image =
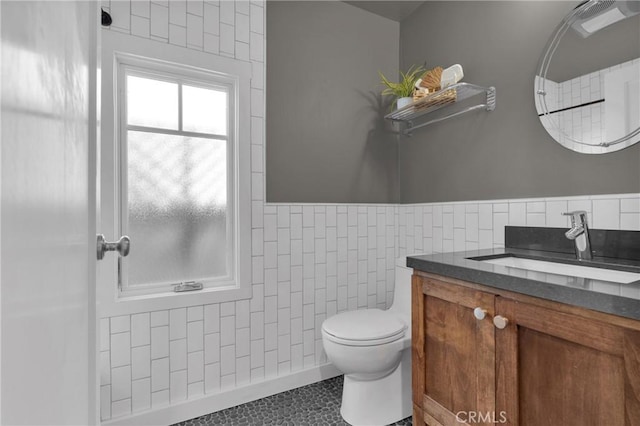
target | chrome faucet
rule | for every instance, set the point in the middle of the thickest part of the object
(579, 233)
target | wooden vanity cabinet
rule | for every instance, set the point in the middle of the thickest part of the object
(550, 364)
(453, 352)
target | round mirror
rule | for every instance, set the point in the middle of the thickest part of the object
(587, 85)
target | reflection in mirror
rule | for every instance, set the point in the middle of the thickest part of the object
(587, 87)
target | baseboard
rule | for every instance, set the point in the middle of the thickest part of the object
(206, 404)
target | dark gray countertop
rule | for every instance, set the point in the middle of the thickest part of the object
(602, 296)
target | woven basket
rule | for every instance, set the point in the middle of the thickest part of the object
(441, 98)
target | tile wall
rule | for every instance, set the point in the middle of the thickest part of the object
(445, 227)
(308, 261)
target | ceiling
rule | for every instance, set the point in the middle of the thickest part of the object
(394, 10)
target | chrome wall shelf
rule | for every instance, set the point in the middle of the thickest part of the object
(412, 117)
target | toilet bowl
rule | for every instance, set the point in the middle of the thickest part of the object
(372, 347)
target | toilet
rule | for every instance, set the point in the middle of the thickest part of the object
(372, 348)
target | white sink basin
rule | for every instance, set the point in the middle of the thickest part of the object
(603, 274)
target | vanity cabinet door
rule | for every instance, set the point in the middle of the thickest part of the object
(555, 368)
(453, 354)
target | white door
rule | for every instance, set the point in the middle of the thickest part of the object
(47, 228)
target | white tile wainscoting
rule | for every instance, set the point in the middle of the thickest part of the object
(309, 261)
(471, 225)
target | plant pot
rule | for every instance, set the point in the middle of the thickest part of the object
(403, 102)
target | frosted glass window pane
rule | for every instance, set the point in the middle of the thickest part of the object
(204, 110)
(152, 103)
(177, 189)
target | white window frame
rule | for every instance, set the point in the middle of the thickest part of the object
(122, 52)
(152, 69)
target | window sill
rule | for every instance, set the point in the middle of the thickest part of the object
(126, 305)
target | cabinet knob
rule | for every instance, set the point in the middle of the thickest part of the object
(479, 313)
(500, 322)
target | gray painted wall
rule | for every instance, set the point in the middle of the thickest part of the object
(326, 140)
(505, 153)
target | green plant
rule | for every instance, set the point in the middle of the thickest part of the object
(404, 88)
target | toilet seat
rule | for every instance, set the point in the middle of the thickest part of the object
(367, 327)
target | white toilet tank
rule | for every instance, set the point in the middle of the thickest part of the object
(402, 289)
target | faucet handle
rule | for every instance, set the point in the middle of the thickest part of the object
(577, 216)
(575, 213)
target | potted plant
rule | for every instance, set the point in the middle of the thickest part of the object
(404, 88)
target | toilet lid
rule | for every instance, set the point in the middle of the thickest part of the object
(364, 325)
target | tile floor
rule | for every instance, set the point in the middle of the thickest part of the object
(315, 404)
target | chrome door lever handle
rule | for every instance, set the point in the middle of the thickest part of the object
(122, 246)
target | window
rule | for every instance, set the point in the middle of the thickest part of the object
(176, 172)
(177, 189)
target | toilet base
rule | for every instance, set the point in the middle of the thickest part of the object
(378, 402)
